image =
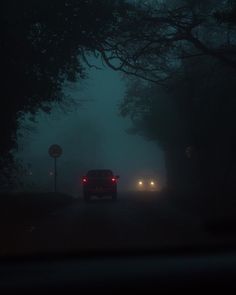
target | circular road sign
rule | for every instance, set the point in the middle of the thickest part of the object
(55, 151)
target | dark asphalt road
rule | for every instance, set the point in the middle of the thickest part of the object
(135, 220)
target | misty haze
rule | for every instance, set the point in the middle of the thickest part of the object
(118, 126)
(92, 135)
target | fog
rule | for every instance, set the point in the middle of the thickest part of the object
(91, 134)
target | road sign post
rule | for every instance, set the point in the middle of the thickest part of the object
(55, 175)
(55, 151)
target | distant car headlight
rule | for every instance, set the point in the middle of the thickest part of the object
(140, 183)
(152, 183)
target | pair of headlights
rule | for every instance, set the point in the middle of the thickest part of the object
(152, 183)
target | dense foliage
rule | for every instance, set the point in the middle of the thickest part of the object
(43, 44)
(188, 49)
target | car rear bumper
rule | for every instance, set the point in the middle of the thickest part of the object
(100, 191)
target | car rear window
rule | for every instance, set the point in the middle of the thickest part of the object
(100, 173)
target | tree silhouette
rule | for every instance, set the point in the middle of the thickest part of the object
(43, 44)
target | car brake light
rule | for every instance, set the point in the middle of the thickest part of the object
(113, 179)
(85, 180)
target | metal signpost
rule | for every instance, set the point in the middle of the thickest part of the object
(55, 151)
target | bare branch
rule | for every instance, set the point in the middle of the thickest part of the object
(87, 62)
(128, 72)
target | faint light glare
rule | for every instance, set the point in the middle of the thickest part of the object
(140, 183)
(152, 183)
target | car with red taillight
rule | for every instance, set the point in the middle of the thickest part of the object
(99, 183)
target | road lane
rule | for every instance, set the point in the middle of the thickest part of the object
(135, 220)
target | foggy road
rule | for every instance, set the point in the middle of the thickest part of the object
(135, 220)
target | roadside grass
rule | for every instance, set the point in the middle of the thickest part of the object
(21, 207)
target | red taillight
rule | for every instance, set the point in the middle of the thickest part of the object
(84, 180)
(113, 179)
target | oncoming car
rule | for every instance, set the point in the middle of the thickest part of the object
(147, 184)
(100, 182)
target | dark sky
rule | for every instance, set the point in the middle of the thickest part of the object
(92, 135)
